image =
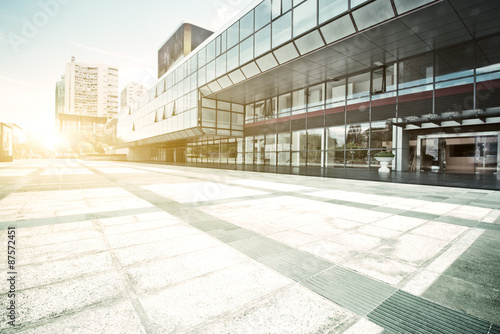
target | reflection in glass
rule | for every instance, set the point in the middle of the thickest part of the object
(358, 136)
(263, 41)
(246, 25)
(249, 113)
(416, 71)
(309, 42)
(282, 29)
(455, 62)
(381, 135)
(316, 97)
(299, 140)
(284, 104)
(246, 50)
(335, 93)
(330, 8)
(338, 29)
(232, 58)
(286, 53)
(233, 35)
(358, 88)
(298, 101)
(335, 137)
(262, 14)
(373, 13)
(304, 17)
(210, 71)
(220, 65)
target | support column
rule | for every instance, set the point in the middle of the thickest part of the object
(401, 142)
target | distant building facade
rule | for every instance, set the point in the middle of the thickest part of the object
(130, 94)
(90, 98)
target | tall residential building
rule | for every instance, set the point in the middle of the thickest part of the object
(130, 94)
(90, 93)
(325, 85)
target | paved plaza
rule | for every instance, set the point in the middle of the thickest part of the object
(118, 247)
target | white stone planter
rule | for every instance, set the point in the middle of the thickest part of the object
(384, 161)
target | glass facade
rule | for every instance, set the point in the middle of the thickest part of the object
(339, 118)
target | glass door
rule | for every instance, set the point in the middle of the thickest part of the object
(486, 154)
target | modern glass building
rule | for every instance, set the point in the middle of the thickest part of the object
(329, 83)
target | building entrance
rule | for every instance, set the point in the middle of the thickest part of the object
(459, 153)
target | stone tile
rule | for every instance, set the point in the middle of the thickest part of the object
(141, 226)
(399, 223)
(190, 303)
(321, 230)
(55, 238)
(164, 248)
(200, 191)
(412, 249)
(329, 250)
(366, 216)
(364, 326)
(441, 231)
(293, 238)
(162, 273)
(470, 212)
(269, 185)
(378, 232)
(437, 208)
(380, 268)
(54, 300)
(293, 310)
(356, 241)
(34, 275)
(118, 317)
(144, 237)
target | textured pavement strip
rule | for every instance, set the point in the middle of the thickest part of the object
(363, 295)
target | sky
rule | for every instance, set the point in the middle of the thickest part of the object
(38, 37)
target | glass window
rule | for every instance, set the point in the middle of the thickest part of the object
(373, 13)
(284, 104)
(276, 8)
(263, 41)
(315, 139)
(202, 79)
(217, 46)
(246, 50)
(233, 35)
(357, 136)
(338, 29)
(299, 140)
(210, 71)
(335, 93)
(335, 137)
(262, 14)
(304, 17)
(249, 113)
(285, 53)
(284, 140)
(316, 97)
(220, 65)
(381, 135)
(237, 121)
(259, 110)
(232, 58)
(403, 6)
(416, 71)
(488, 55)
(309, 42)
(208, 117)
(455, 62)
(358, 87)
(202, 57)
(282, 30)
(246, 25)
(270, 143)
(328, 9)
(223, 119)
(355, 3)
(223, 46)
(286, 5)
(298, 100)
(210, 51)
